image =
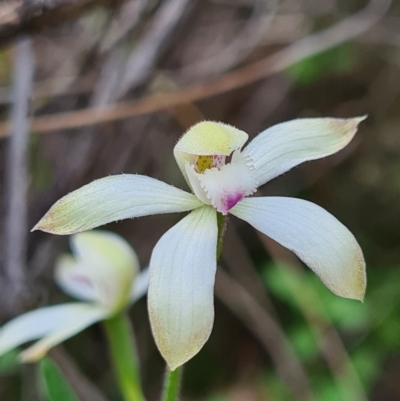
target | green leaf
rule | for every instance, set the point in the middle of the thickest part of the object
(276, 280)
(329, 390)
(276, 388)
(9, 362)
(304, 341)
(340, 59)
(53, 384)
(367, 363)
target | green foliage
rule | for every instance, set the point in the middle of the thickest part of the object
(370, 330)
(5, 67)
(341, 59)
(327, 390)
(53, 383)
(276, 389)
(397, 175)
(217, 398)
(9, 362)
(366, 361)
(304, 342)
(40, 168)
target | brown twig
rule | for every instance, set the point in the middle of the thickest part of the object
(17, 181)
(341, 32)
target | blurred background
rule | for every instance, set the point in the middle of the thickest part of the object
(93, 88)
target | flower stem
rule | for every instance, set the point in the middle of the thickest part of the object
(122, 352)
(221, 222)
(172, 384)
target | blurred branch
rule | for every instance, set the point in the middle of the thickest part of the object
(238, 48)
(342, 31)
(21, 16)
(140, 64)
(126, 18)
(103, 94)
(14, 286)
(268, 332)
(51, 88)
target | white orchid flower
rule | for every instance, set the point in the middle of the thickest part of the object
(104, 272)
(221, 175)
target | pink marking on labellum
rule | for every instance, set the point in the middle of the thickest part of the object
(230, 201)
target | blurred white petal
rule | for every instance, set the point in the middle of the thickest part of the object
(140, 285)
(109, 262)
(315, 236)
(114, 198)
(182, 275)
(54, 324)
(74, 280)
(288, 144)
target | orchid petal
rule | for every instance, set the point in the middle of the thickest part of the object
(74, 280)
(182, 274)
(315, 236)
(114, 198)
(140, 285)
(105, 268)
(208, 138)
(286, 145)
(54, 323)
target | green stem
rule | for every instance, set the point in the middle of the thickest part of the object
(221, 222)
(172, 384)
(119, 335)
